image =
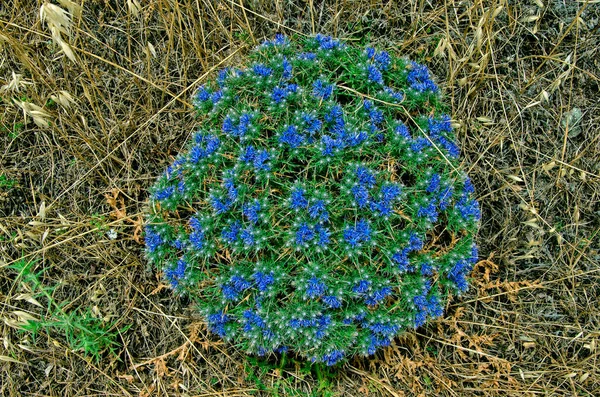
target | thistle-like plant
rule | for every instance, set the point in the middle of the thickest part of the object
(319, 208)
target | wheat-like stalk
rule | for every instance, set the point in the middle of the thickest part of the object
(15, 84)
(60, 23)
(40, 117)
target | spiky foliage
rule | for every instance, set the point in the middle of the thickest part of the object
(319, 208)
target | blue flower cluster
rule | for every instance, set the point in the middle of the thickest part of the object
(204, 95)
(176, 274)
(322, 90)
(419, 79)
(279, 40)
(328, 42)
(205, 146)
(305, 214)
(257, 158)
(358, 235)
(237, 129)
(280, 93)
(382, 204)
(438, 130)
(427, 305)
(400, 256)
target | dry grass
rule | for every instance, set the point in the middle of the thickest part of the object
(95, 104)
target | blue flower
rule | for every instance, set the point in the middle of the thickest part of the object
(377, 296)
(318, 210)
(231, 233)
(375, 115)
(365, 176)
(206, 144)
(426, 269)
(314, 288)
(402, 130)
(181, 187)
(381, 208)
(287, 69)
(152, 239)
(420, 318)
(250, 211)
(434, 183)
(333, 358)
(247, 236)
(355, 139)
(332, 301)
(396, 96)
(434, 307)
(327, 42)
(222, 76)
(240, 283)
(279, 40)
(419, 79)
(164, 193)
(241, 128)
(203, 94)
(390, 192)
(331, 145)
(228, 125)
(458, 273)
(278, 94)
(216, 323)
(291, 136)
(262, 70)
(311, 123)
(474, 255)
(197, 238)
(175, 167)
(415, 243)
(253, 320)
(177, 243)
(451, 147)
(322, 235)
(468, 187)
(307, 56)
(401, 260)
(263, 280)
(358, 234)
(383, 60)
(248, 154)
(362, 286)
(468, 209)
(322, 90)
(444, 198)
(361, 195)
(259, 161)
(428, 212)
(176, 274)
(219, 204)
(374, 75)
(297, 199)
(438, 126)
(419, 144)
(304, 234)
(377, 342)
(388, 330)
(232, 191)
(216, 96)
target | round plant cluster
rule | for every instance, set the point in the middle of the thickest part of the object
(319, 208)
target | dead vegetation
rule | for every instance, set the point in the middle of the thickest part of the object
(96, 103)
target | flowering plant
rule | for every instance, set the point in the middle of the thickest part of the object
(319, 207)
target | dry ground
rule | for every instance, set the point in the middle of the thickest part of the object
(522, 79)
